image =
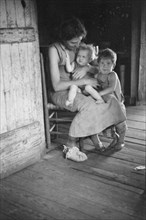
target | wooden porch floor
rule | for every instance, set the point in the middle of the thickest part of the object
(104, 187)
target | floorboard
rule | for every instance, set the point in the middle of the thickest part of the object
(104, 187)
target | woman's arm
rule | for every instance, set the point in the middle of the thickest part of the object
(112, 84)
(68, 65)
(80, 72)
(57, 84)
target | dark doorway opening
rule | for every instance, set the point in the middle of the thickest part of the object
(108, 23)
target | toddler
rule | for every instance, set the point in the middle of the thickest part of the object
(84, 55)
(110, 87)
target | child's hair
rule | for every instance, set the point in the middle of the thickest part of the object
(89, 48)
(108, 54)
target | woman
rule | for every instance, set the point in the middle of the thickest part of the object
(91, 118)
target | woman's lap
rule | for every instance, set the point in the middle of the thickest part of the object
(91, 118)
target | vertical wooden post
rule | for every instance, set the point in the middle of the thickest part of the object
(122, 77)
(46, 114)
(135, 50)
(142, 61)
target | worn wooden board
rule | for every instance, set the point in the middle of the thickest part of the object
(106, 186)
(88, 195)
(136, 124)
(20, 148)
(10, 10)
(115, 166)
(20, 85)
(137, 117)
(36, 208)
(16, 35)
(4, 216)
(136, 133)
(136, 111)
(13, 211)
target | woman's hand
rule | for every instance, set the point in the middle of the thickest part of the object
(80, 73)
(92, 82)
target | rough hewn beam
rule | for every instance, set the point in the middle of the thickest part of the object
(16, 35)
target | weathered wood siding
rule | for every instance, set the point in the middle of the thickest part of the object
(20, 82)
(138, 52)
(142, 61)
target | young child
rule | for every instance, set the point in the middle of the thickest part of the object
(107, 78)
(85, 54)
(110, 87)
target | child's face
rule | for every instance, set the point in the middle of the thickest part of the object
(105, 65)
(82, 57)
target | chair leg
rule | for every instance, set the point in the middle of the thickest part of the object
(81, 144)
(57, 126)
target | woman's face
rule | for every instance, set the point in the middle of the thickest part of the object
(73, 44)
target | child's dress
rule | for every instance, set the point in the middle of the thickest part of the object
(104, 82)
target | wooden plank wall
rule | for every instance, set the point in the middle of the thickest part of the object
(16, 35)
(20, 84)
(20, 70)
(138, 52)
(142, 61)
(18, 147)
(135, 42)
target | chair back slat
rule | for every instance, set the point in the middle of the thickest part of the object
(51, 112)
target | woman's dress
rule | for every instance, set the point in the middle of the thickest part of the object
(91, 118)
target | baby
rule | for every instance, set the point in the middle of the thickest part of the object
(85, 54)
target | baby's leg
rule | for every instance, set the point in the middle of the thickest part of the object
(94, 94)
(71, 95)
(79, 90)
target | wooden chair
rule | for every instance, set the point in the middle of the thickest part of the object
(53, 115)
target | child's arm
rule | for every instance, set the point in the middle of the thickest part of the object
(69, 66)
(93, 70)
(90, 90)
(112, 84)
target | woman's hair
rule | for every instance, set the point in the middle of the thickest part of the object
(72, 28)
(87, 47)
(107, 54)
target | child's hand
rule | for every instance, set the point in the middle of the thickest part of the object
(80, 73)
